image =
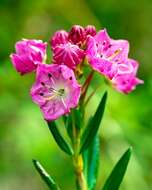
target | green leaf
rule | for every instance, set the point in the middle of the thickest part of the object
(73, 123)
(114, 180)
(45, 176)
(64, 118)
(59, 139)
(91, 159)
(93, 126)
(78, 120)
(69, 127)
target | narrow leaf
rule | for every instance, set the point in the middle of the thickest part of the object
(91, 159)
(77, 118)
(59, 139)
(114, 180)
(93, 126)
(69, 127)
(45, 176)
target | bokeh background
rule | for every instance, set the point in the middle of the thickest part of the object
(128, 118)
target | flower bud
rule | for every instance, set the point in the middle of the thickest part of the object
(77, 35)
(60, 37)
(90, 30)
(68, 54)
(28, 54)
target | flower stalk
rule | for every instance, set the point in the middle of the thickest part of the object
(78, 166)
(77, 158)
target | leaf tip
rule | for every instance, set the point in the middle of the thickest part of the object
(129, 151)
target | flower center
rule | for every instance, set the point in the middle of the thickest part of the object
(61, 92)
(56, 93)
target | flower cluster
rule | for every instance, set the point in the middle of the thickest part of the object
(56, 89)
(68, 48)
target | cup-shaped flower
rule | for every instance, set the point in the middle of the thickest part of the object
(104, 53)
(68, 54)
(125, 79)
(77, 35)
(56, 90)
(90, 30)
(60, 37)
(28, 54)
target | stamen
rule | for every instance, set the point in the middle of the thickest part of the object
(115, 53)
(51, 89)
(63, 103)
(51, 78)
(51, 97)
(70, 78)
(52, 81)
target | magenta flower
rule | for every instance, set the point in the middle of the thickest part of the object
(56, 90)
(104, 53)
(68, 54)
(60, 37)
(90, 30)
(77, 35)
(125, 79)
(28, 54)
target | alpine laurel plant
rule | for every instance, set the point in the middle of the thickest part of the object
(61, 90)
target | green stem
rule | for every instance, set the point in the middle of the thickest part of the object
(86, 85)
(77, 159)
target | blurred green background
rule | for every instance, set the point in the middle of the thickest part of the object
(128, 118)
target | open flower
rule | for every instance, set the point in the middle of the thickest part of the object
(104, 53)
(60, 37)
(55, 90)
(28, 54)
(68, 54)
(126, 83)
(125, 79)
(110, 58)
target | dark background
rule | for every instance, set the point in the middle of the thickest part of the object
(128, 118)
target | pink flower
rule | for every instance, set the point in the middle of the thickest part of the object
(60, 37)
(55, 90)
(28, 54)
(110, 58)
(77, 35)
(90, 30)
(125, 79)
(104, 53)
(68, 54)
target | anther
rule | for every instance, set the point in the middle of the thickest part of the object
(49, 75)
(41, 94)
(104, 43)
(42, 83)
(70, 78)
(116, 52)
